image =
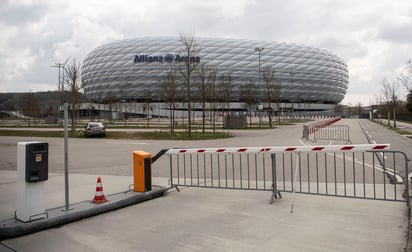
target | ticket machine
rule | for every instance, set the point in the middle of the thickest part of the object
(32, 172)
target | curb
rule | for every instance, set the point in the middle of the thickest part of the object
(59, 216)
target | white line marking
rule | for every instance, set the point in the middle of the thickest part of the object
(377, 167)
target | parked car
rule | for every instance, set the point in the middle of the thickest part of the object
(94, 129)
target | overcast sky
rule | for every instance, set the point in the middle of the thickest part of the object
(374, 37)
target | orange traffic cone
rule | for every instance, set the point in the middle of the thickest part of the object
(99, 197)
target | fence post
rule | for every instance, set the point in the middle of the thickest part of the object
(305, 133)
(275, 191)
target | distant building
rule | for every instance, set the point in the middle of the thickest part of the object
(311, 79)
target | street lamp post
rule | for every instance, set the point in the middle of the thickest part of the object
(259, 49)
(293, 105)
(61, 82)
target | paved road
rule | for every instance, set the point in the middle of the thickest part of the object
(378, 134)
(383, 135)
(200, 219)
(114, 157)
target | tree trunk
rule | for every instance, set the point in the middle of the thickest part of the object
(389, 118)
(394, 117)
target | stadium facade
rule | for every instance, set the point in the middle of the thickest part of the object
(309, 78)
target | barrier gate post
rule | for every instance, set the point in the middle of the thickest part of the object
(142, 171)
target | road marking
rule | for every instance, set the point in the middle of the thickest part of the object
(387, 170)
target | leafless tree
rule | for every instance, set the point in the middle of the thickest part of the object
(339, 109)
(390, 95)
(30, 107)
(406, 80)
(272, 91)
(409, 101)
(359, 108)
(379, 108)
(225, 94)
(248, 95)
(125, 98)
(109, 100)
(146, 105)
(212, 95)
(169, 94)
(202, 89)
(188, 63)
(73, 85)
(406, 77)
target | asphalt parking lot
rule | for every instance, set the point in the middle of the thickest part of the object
(198, 219)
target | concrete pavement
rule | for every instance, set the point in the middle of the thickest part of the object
(198, 219)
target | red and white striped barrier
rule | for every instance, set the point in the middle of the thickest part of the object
(321, 124)
(326, 148)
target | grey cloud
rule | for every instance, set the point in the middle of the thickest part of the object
(396, 32)
(17, 15)
(360, 31)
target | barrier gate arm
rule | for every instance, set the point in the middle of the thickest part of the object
(158, 155)
(302, 148)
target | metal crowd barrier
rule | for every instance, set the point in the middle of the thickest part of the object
(353, 171)
(324, 130)
(332, 132)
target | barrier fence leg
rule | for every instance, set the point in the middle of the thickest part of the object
(294, 181)
(171, 174)
(275, 192)
(305, 136)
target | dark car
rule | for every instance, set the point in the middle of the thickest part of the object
(94, 129)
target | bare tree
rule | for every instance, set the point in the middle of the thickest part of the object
(189, 62)
(225, 91)
(125, 98)
(409, 102)
(202, 90)
(339, 109)
(248, 95)
(73, 85)
(109, 100)
(406, 78)
(146, 105)
(169, 94)
(212, 95)
(272, 91)
(379, 108)
(30, 107)
(359, 108)
(390, 95)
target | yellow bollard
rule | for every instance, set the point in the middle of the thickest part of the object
(142, 171)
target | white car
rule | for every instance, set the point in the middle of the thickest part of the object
(94, 129)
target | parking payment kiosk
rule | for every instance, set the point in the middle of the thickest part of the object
(32, 171)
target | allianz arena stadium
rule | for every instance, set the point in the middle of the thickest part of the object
(130, 69)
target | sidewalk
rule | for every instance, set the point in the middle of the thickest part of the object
(212, 220)
(199, 219)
